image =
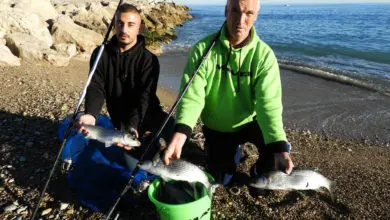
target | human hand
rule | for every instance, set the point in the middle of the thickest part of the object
(85, 119)
(174, 148)
(283, 162)
(134, 133)
(126, 147)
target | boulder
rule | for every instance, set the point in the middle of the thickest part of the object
(7, 58)
(43, 8)
(96, 18)
(67, 9)
(2, 35)
(15, 20)
(83, 57)
(64, 30)
(56, 59)
(5, 3)
(69, 49)
(26, 46)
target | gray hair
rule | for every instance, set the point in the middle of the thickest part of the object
(228, 4)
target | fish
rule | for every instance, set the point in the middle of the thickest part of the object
(296, 180)
(179, 170)
(110, 136)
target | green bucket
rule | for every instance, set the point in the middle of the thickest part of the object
(198, 209)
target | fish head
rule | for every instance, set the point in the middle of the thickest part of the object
(130, 140)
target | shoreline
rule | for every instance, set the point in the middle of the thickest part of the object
(333, 106)
(310, 103)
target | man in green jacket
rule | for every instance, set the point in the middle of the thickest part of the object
(237, 93)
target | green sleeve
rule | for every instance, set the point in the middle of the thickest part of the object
(268, 95)
(191, 106)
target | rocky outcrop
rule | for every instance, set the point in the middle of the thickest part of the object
(16, 20)
(54, 31)
(64, 30)
(43, 8)
(26, 46)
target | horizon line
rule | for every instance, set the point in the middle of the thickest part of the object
(301, 3)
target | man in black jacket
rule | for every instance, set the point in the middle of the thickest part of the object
(126, 77)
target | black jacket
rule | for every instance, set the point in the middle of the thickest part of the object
(128, 82)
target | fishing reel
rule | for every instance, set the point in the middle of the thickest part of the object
(66, 166)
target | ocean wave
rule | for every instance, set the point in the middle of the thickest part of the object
(328, 50)
(355, 79)
(176, 48)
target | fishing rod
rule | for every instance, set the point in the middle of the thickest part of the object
(81, 99)
(155, 137)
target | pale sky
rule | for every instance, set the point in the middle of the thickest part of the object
(222, 2)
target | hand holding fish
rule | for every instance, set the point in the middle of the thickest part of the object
(283, 162)
(174, 148)
(133, 132)
(110, 136)
(84, 119)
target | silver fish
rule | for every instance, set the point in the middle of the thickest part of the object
(296, 180)
(179, 170)
(110, 136)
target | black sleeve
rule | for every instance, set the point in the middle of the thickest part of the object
(147, 87)
(95, 93)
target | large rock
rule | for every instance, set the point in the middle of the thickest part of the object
(67, 9)
(31, 49)
(2, 35)
(43, 8)
(69, 49)
(56, 59)
(26, 46)
(7, 58)
(95, 17)
(5, 3)
(15, 20)
(64, 30)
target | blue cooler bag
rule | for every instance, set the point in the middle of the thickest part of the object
(97, 174)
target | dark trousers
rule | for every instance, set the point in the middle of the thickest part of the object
(223, 153)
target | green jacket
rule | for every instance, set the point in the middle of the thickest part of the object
(229, 96)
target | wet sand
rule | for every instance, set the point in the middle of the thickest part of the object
(311, 103)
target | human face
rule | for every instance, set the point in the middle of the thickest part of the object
(127, 27)
(240, 16)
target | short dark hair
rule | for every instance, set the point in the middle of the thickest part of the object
(126, 7)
